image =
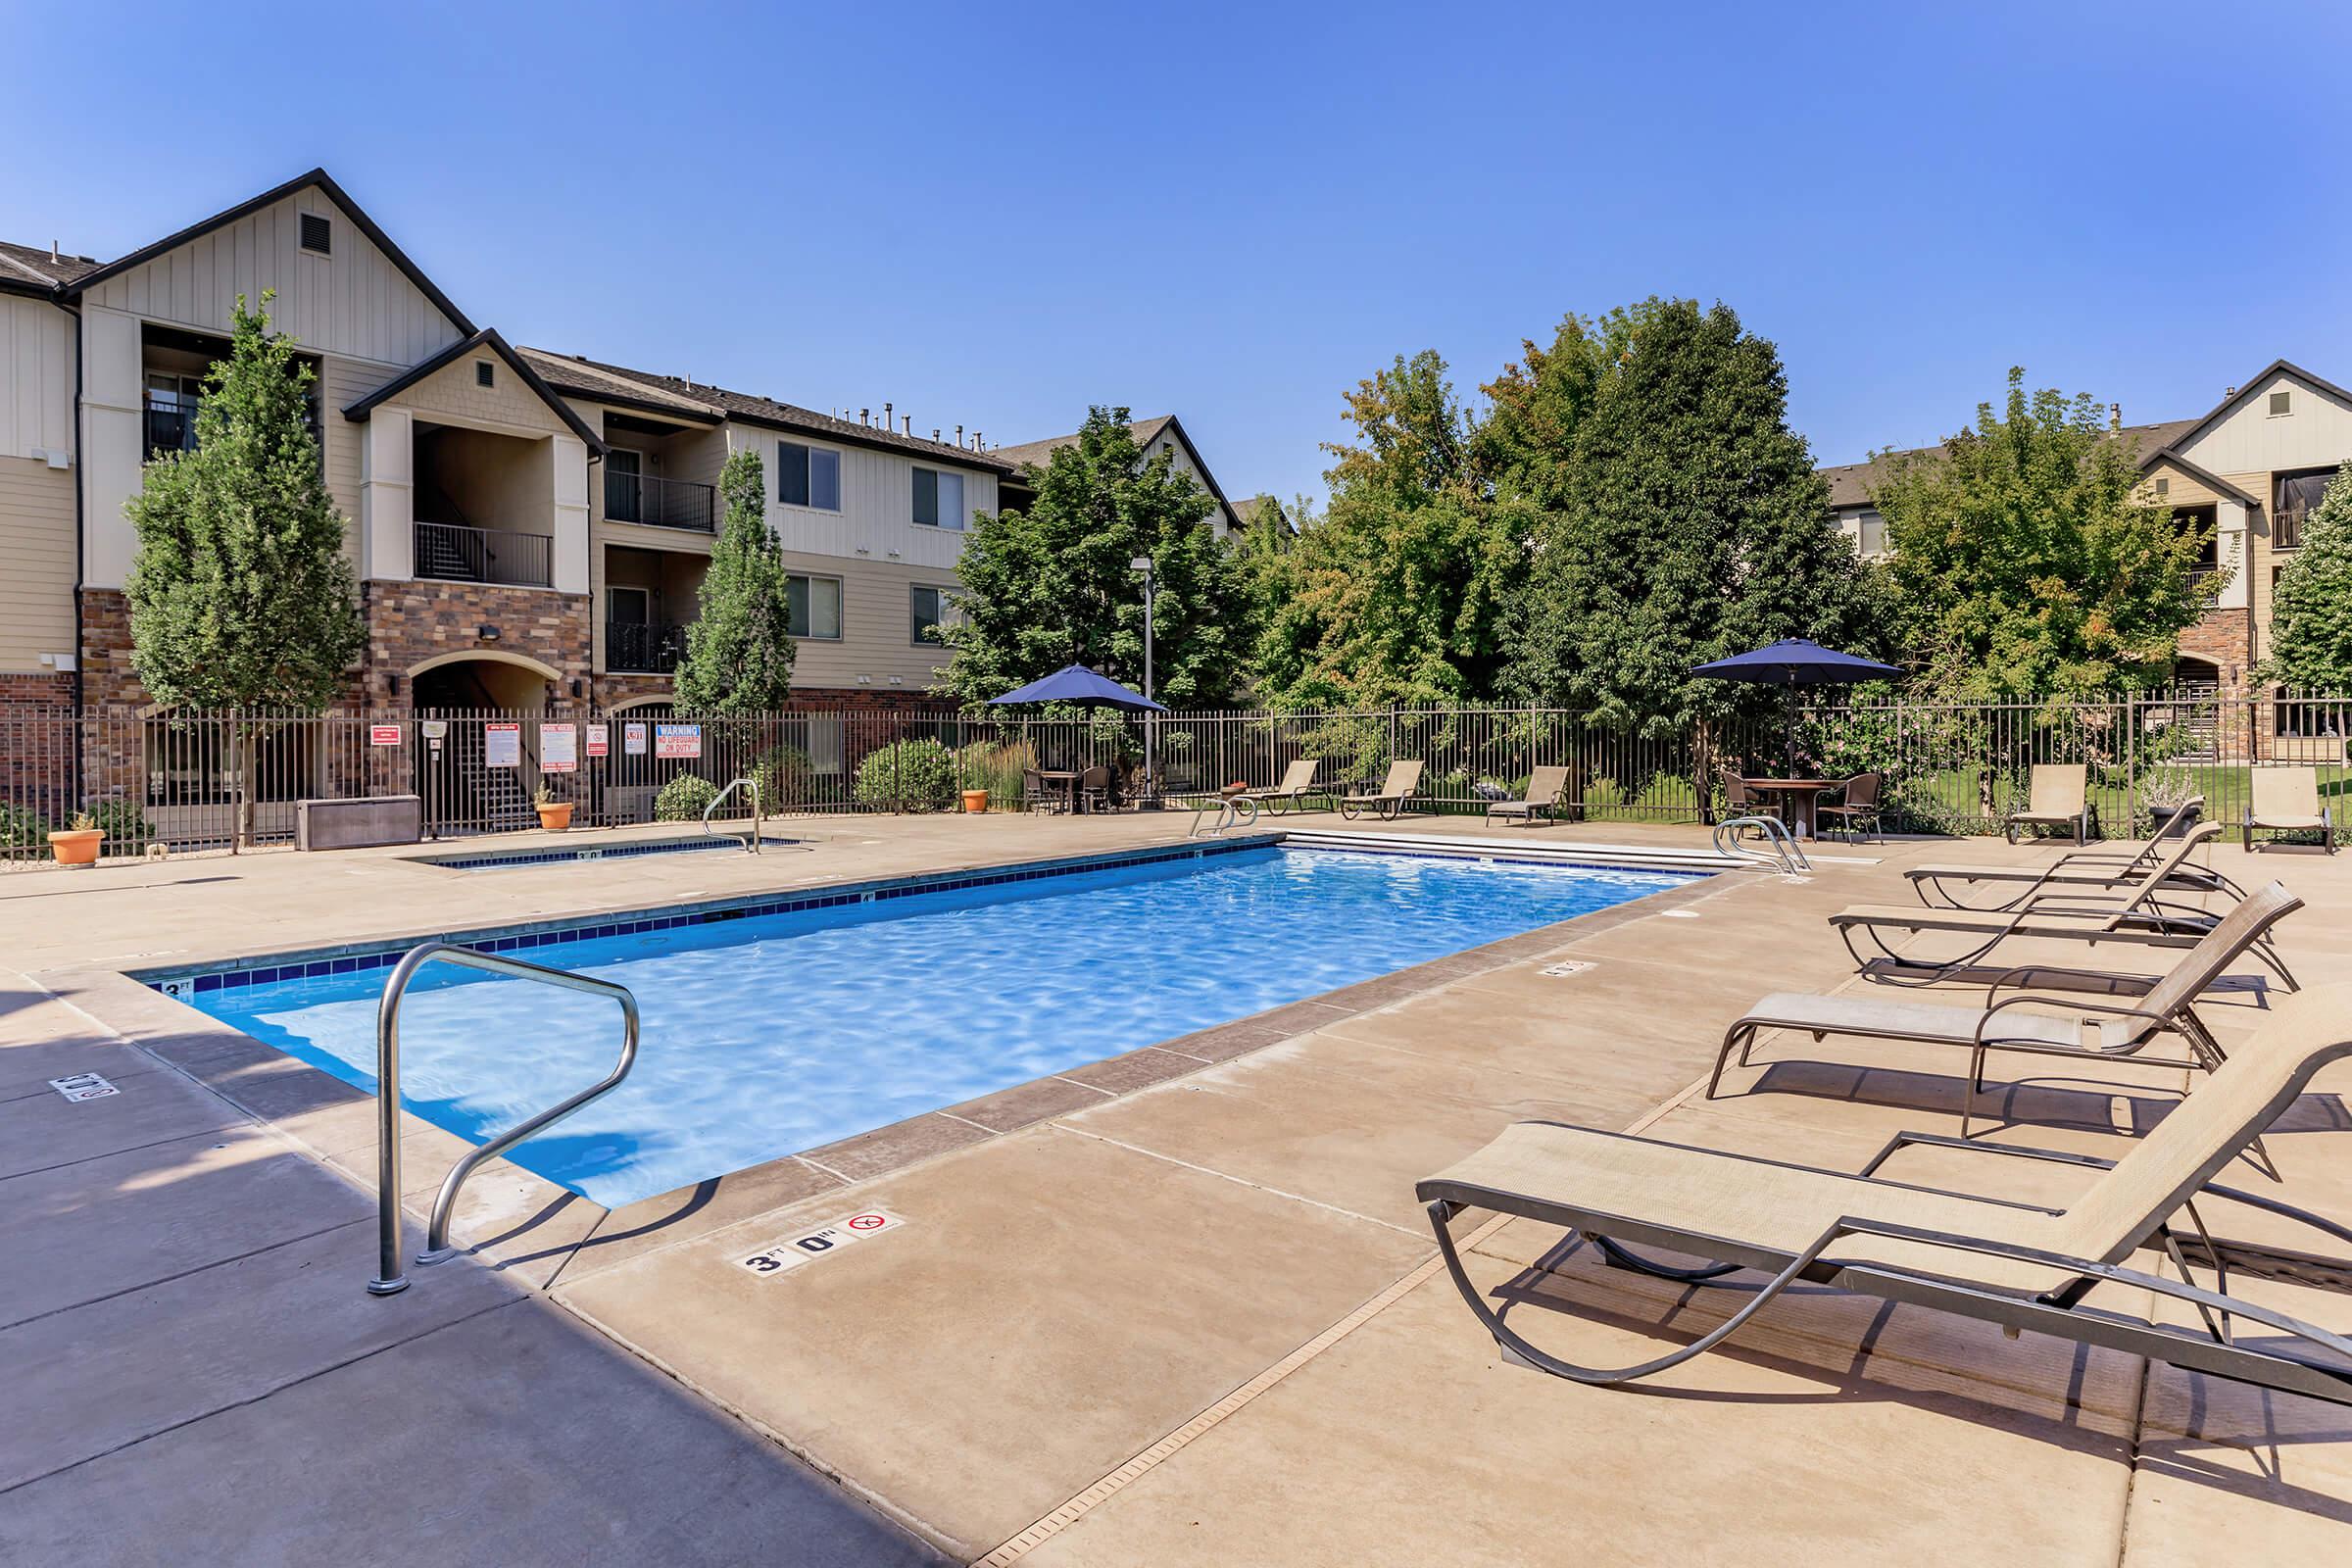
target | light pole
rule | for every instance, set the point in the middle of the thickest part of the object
(1142, 564)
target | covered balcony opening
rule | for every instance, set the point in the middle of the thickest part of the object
(640, 483)
(649, 597)
(485, 507)
(172, 367)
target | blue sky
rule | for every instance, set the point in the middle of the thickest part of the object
(995, 216)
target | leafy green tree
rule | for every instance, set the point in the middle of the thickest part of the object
(1054, 585)
(2311, 607)
(1524, 445)
(240, 594)
(2023, 564)
(739, 651)
(1395, 594)
(1682, 522)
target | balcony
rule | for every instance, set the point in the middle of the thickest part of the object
(659, 503)
(172, 422)
(2287, 530)
(642, 648)
(447, 552)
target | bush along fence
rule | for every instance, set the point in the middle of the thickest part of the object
(227, 781)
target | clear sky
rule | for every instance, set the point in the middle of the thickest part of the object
(993, 216)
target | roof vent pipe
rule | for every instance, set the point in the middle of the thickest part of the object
(907, 419)
(2228, 391)
(886, 420)
(2115, 416)
(959, 436)
(53, 256)
(866, 416)
(935, 433)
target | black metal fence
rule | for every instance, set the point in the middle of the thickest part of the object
(216, 781)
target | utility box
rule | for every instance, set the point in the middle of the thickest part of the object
(359, 824)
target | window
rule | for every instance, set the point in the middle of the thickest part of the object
(2282, 402)
(2293, 496)
(317, 235)
(483, 375)
(939, 498)
(2204, 522)
(808, 476)
(2164, 485)
(932, 611)
(816, 607)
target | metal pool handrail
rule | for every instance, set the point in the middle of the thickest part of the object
(390, 1280)
(1786, 853)
(1232, 811)
(751, 840)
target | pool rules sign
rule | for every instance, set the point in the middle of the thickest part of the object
(791, 1253)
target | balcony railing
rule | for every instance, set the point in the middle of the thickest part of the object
(2287, 530)
(661, 503)
(448, 553)
(171, 423)
(650, 649)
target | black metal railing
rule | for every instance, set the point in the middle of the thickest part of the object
(644, 649)
(660, 503)
(2287, 530)
(171, 423)
(448, 553)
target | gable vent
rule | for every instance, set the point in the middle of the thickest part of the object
(2282, 402)
(483, 375)
(317, 235)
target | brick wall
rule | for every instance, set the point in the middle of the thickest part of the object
(410, 622)
(2220, 639)
(24, 696)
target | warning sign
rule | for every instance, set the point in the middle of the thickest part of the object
(558, 748)
(599, 741)
(502, 745)
(632, 740)
(678, 740)
(383, 734)
(794, 1250)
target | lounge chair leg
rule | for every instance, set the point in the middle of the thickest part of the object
(1715, 1080)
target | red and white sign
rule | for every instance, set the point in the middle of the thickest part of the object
(502, 745)
(600, 740)
(383, 734)
(632, 739)
(678, 740)
(558, 748)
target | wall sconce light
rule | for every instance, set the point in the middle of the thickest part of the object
(392, 685)
(575, 685)
(488, 634)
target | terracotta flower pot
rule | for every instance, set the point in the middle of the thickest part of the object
(557, 817)
(76, 845)
(975, 802)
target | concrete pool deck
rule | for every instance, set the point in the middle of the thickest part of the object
(1183, 1313)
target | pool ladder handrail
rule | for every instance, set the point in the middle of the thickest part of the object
(750, 842)
(1236, 811)
(1786, 853)
(390, 1280)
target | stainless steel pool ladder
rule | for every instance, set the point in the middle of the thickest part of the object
(1786, 853)
(1235, 811)
(390, 1280)
(750, 842)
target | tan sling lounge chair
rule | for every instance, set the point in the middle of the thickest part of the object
(2068, 1025)
(2287, 800)
(1390, 802)
(2133, 915)
(2058, 795)
(1297, 783)
(2013, 1264)
(1547, 791)
(2077, 868)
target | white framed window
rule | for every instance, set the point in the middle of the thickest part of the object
(808, 476)
(816, 607)
(929, 610)
(939, 498)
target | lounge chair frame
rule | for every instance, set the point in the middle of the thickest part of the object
(2081, 814)
(1390, 801)
(2320, 821)
(1286, 796)
(1527, 810)
(2077, 868)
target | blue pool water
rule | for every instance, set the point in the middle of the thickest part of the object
(777, 1033)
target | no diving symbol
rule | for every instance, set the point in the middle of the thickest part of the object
(869, 1222)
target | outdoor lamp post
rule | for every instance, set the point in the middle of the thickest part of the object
(1142, 564)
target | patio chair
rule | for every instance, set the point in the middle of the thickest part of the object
(1857, 809)
(1093, 788)
(2287, 800)
(2018, 1265)
(2057, 795)
(2133, 915)
(2081, 868)
(1390, 800)
(2067, 1025)
(1549, 792)
(1297, 783)
(1036, 798)
(1740, 801)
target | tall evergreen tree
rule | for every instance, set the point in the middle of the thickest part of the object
(1687, 525)
(739, 651)
(2311, 607)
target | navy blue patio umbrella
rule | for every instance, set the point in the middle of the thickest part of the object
(1075, 683)
(1795, 662)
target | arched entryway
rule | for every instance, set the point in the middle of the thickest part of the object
(477, 758)
(483, 678)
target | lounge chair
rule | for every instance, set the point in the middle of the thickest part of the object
(2133, 914)
(2057, 796)
(2014, 1264)
(2077, 868)
(1547, 792)
(1856, 809)
(1390, 800)
(1297, 783)
(2068, 1026)
(2287, 800)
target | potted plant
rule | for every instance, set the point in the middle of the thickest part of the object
(2167, 790)
(77, 845)
(975, 802)
(554, 815)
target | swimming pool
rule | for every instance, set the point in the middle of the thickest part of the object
(775, 1033)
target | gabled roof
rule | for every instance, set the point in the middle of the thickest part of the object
(30, 270)
(1850, 484)
(571, 373)
(2254, 385)
(1145, 431)
(2204, 476)
(487, 338)
(319, 177)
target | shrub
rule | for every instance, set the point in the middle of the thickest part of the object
(915, 775)
(786, 777)
(995, 767)
(126, 828)
(685, 798)
(22, 827)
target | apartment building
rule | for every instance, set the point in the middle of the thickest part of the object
(2246, 473)
(528, 526)
(1164, 434)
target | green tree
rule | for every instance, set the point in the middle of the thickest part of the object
(2311, 607)
(2023, 564)
(1677, 521)
(738, 656)
(1054, 585)
(1395, 594)
(240, 593)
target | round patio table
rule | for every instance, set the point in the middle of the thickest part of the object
(1801, 794)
